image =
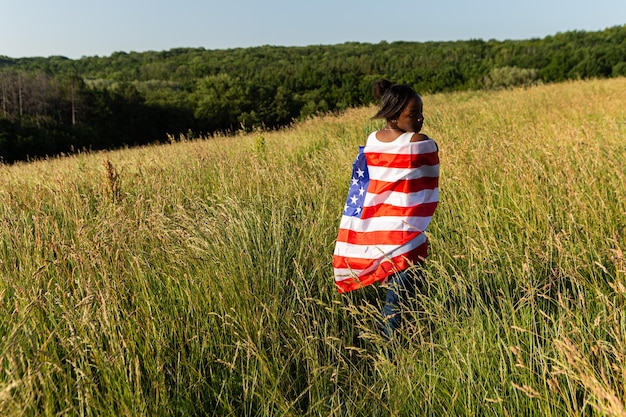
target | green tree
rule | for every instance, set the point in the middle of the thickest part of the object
(217, 101)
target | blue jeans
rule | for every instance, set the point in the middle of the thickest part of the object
(402, 285)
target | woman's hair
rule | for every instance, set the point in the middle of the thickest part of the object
(393, 98)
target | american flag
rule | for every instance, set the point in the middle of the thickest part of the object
(393, 193)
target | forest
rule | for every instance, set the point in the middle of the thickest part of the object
(55, 105)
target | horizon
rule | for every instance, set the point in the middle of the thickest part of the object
(73, 29)
(308, 45)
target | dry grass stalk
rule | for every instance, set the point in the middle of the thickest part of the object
(113, 182)
(581, 368)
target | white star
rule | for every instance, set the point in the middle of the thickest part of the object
(361, 191)
(355, 181)
(354, 199)
(360, 172)
(358, 210)
(346, 207)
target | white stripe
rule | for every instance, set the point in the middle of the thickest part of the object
(378, 224)
(395, 174)
(412, 148)
(399, 199)
(342, 274)
(349, 250)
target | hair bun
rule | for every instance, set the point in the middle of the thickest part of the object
(380, 87)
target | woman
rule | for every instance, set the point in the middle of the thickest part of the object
(392, 197)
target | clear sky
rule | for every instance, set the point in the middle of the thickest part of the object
(76, 28)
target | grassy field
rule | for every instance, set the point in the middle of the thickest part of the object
(194, 278)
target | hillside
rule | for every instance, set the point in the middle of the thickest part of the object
(57, 105)
(194, 277)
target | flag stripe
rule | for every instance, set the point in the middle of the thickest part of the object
(399, 199)
(401, 160)
(385, 237)
(426, 209)
(395, 174)
(403, 186)
(375, 224)
(401, 147)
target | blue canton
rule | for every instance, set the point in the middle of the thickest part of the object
(358, 186)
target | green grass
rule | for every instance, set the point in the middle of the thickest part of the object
(194, 278)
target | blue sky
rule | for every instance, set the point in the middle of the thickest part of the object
(76, 28)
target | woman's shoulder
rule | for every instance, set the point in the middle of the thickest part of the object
(424, 143)
(419, 137)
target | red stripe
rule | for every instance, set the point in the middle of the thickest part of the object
(386, 237)
(420, 210)
(385, 269)
(352, 263)
(403, 186)
(392, 160)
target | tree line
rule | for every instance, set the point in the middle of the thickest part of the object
(58, 105)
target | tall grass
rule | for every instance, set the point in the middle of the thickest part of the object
(194, 278)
